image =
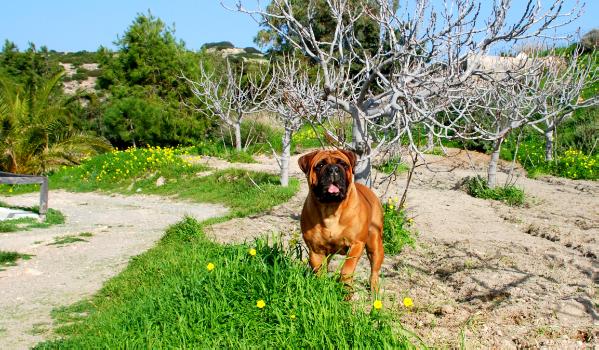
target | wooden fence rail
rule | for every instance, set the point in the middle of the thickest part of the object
(21, 179)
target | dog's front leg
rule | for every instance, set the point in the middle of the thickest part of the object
(316, 261)
(351, 261)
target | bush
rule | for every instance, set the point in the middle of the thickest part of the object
(590, 41)
(477, 187)
(576, 165)
(393, 165)
(396, 233)
(220, 45)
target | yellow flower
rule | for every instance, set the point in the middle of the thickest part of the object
(378, 304)
(408, 302)
(396, 199)
(210, 267)
(292, 317)
(260, 304)
(252, 252)
(391, 207)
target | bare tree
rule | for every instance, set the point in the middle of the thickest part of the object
(564, 80)
(233, 96)
(417, 64)
(295, 98)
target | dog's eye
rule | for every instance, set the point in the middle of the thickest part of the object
(343, 164)
(319, 166)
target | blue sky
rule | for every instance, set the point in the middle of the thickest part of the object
(69, 25)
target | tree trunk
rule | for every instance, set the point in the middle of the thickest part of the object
(492, 171)
(430, 141)
(549, 145)
(360, 145)
(285, 155)
(237, 128)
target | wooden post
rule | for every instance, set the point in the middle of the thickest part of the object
(44, 199)
(20, 179)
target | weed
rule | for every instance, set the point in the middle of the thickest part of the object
(85, 234)
(393, 165)
(10, 258)
(396, 232)
(477, 187)
(68, 239)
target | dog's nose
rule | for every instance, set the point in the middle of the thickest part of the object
(333, 171)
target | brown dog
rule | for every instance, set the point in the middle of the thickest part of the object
(340, 216)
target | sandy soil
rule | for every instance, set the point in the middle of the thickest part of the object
(122, 227)
(483, 274)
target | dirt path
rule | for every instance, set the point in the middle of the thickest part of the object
(121, 227)
(483, 274)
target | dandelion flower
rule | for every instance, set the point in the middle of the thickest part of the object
(292, 317)
(408, 302)
(252, 252)
(210, 267)
(377, 304)
(260, 304)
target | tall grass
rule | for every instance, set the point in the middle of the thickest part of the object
(170, 297)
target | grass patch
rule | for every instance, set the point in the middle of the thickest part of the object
(53, 217)
(85, 234)
(393, 166)
(68, 239)
(169, 298)
(477, 187)
(396, 228)
(10, 258)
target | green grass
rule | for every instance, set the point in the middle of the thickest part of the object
(393, 165)
(10, 258)
(396, 228)
(167, 298)
(477, 187)
(53, 217)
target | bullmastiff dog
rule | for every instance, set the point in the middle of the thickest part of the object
(339, 215)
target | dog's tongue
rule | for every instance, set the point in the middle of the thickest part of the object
(333, 189)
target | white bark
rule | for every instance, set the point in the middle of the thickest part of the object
(549, 145)
(492, 171)
(237, 130)
(361, 146)
(285, 156)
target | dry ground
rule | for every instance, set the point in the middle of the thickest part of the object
(483, 274)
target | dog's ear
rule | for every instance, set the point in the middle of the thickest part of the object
(351, 156)
(305, 160)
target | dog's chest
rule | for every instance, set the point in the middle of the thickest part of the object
(330, 237)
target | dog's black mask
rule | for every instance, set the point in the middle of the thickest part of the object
(332, 183)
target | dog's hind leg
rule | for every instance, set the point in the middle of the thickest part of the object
(376, 254)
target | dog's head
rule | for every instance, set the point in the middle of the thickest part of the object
(329, 173)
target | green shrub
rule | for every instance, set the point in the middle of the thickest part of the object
(477, 187)
(576, 165)
(393, 165)
(396, 232)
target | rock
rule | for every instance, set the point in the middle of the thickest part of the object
(160, 181)
(447, 310)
